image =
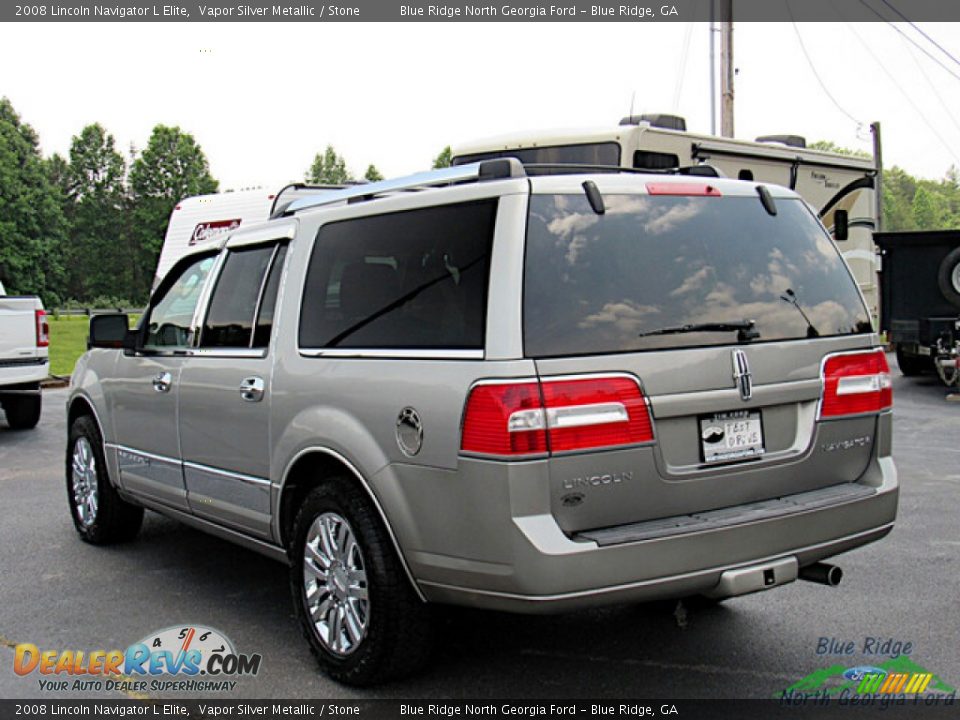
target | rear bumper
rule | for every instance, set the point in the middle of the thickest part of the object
(547, 571)
(15, 375)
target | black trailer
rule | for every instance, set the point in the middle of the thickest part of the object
(920, 300)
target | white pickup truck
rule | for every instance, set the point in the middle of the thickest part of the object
(24, 361)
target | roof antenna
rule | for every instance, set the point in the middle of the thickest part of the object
(633, 96)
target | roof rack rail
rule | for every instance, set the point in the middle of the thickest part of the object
(698, 170)
(475, 172)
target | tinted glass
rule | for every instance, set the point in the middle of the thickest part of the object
(169, 323)
(268, 304)
(595, 283)
(230, 317)
(586, 154)
(650, 160)
(414, 279)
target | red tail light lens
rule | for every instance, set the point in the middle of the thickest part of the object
(856, 383)
(43, 329)
(595, 413)
(504, 419)
(570, 415)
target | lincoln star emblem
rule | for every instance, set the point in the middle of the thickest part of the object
(742, 377)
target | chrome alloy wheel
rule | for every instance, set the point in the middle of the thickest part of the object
(335, 584)
(84, 478)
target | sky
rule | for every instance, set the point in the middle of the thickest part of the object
(262, 99)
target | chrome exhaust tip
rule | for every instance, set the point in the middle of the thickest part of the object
(822, 573)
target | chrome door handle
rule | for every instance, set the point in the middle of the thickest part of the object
(162, 382)
(251, 389)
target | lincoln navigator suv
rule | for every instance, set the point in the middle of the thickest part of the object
(501, 387)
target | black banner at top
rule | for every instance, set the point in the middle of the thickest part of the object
(479, 11)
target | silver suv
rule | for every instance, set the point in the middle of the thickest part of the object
(485, 387)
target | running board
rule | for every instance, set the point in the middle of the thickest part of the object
(727, 517)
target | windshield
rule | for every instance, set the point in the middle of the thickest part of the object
(651, 271)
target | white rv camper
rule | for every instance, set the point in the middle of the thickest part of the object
(205, 218)
(827, 181)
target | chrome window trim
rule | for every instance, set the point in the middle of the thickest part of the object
(404, 353)
(229, 352)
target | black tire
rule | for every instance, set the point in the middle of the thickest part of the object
(398, 637)
(912, 365)
(114, 520)
(22, 411)
(949, 277)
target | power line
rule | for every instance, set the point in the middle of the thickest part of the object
(903, 92)
(678, 88)
(919, 30)
(933, 88)
(814, 69)
(912, 41)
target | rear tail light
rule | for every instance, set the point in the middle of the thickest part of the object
(534, 418)
(504, 419)
(43, 329)
(856, 383)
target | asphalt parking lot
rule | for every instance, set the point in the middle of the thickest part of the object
(60, 593)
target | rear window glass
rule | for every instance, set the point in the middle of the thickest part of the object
(415, 279)
(631, 279)
(584, 154)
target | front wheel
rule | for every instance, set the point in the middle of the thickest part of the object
(356, 607)
(22, 411)
(99, 514)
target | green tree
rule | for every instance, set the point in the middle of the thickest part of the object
(927, 209)
(170, 168)
(328, 168)
(32, 225)
(98, 261)
(444, 159)
(372, 174)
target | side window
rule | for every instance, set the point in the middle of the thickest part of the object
(408, 280)
(649, 160)
(169, 323)
(237, 297)
(261, 334)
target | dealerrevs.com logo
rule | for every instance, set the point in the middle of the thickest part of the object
(189, 658)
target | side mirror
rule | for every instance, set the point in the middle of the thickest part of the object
(841, 225)
(108, 331)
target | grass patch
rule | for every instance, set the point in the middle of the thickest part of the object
(68, 341)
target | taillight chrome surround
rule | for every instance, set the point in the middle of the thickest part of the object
(846, 394)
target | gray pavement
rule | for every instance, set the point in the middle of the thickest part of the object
(60, 593)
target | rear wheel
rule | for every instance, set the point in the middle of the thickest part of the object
(99, 514)
(22, 411)
(910, 364)
(356, 607)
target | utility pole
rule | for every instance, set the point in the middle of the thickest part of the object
(878, 183)
(726, 67)
(713, 68)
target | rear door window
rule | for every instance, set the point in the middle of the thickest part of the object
(638, 277)
(241, 294)
(407, 280)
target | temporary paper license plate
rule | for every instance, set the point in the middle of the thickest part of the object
(731, 436)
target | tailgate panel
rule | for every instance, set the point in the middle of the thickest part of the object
(609, 488)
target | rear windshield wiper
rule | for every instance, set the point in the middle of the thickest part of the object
(744, 328)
